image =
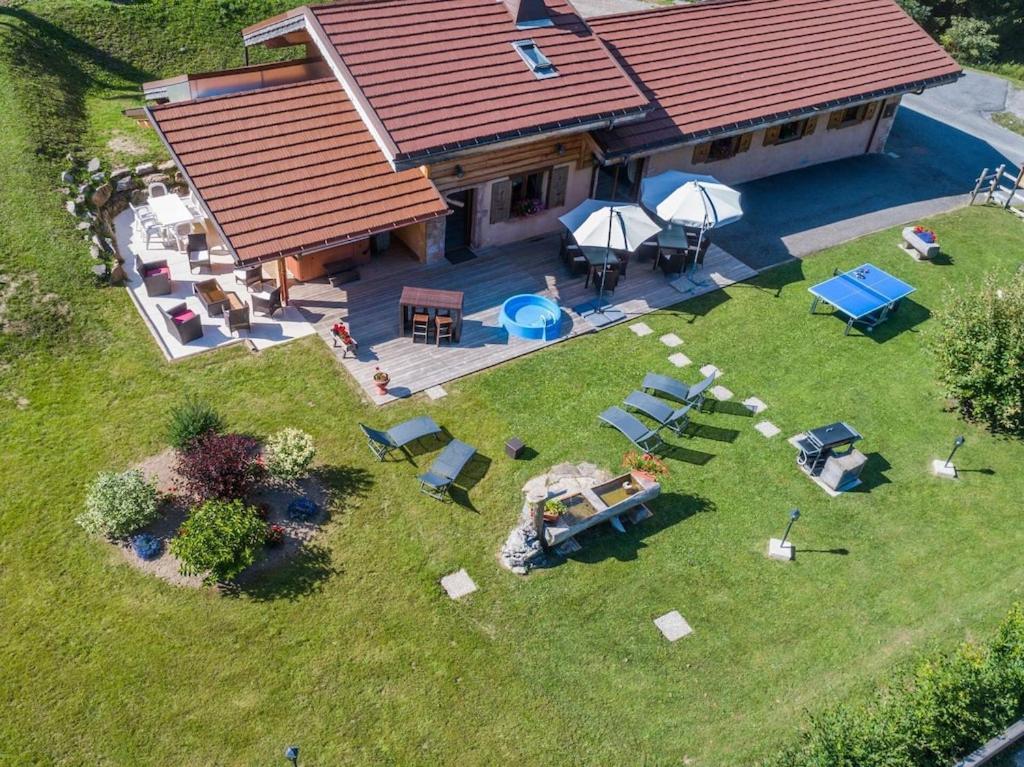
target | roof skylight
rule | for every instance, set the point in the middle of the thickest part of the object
(538, 63)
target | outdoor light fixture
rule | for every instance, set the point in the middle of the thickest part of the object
(956, 446)
(292, 755)
(794, 515)
(459, 172)
(559, 149)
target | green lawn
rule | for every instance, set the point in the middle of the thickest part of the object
(355, 653)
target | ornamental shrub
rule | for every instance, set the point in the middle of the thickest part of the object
(119, 503)
(147, 546)
(289, 454)
(980, 352)
(219, 540)
(222, 466)
(191, 419)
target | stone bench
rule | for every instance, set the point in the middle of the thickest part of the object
(917, 247)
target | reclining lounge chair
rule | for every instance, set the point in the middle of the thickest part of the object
(632, 428)
(438, 479)
(397, 437)
(672, 389)
(676, 419)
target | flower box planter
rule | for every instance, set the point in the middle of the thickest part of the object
(917, 246)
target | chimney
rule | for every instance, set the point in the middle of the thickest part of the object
(529, 14)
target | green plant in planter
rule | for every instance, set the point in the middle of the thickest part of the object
(554, 508)
(289, 454)
(219, 540)
(118, 503)
(190, 420)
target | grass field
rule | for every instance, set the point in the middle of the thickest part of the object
(355, 653)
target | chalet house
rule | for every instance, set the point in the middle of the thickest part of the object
(441, 125)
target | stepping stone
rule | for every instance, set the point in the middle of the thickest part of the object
(754, 405)
(673, 626)
(641, 329)
(720, 393)
(436, 392)
(767, 429)
(709, 370)
(679, 359)
(458, 584)
(671, 340)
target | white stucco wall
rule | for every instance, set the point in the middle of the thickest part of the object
(759, 161)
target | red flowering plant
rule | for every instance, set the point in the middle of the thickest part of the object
(926, 234)
(220, 466)
(644, 463)
(275, 535)
(340, 331)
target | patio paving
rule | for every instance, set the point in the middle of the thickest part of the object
(286, 325)
(673, 626)
(679, 359)
(370, 308)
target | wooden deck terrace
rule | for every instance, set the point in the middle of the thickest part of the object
(369, 307)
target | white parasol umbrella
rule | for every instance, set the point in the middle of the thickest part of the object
(615, 225)
(690, 199)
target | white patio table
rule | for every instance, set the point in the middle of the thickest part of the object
(170, 210)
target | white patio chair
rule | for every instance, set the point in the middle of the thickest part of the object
(157, 189)
(181, 235)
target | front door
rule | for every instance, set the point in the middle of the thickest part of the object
(459, 223)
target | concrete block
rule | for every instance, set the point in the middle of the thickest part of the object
(784, 552)
(673, 626)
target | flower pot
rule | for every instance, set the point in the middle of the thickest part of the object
(382, 387)
(550, 518)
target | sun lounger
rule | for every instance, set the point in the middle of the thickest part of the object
(632, 428)
(445, 469)
(670, 388)
(397, 437)
(674, 418)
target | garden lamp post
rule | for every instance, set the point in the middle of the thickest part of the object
(292, 755)
(794, 515)
(956, 446)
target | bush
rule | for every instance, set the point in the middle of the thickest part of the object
(219, 540)
(950, 705)
(980, 352)
(289, 454)
(191, 419)
(970, 40)
(119, 503)
(147, 546)
(223, 466)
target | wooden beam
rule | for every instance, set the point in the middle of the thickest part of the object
(282, 281)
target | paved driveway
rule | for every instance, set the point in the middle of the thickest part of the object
(940, 142)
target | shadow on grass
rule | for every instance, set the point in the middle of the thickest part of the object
(304, 574)
(873, 474)
(906, 318)
(685, 454)
(344, 482)
(716, 433)
(471, 475)
(602, 541)
(727, 408)
(838, 552)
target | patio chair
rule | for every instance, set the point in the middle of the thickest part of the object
(672, 389)
(183, 323)
(155, 275)
(439, 478)
(211, 296)
(632, 428)
(267, 303)
(676, 419)
(238, 319)
(198, 251)
(157, 189)
(381, 443)
(248, 276)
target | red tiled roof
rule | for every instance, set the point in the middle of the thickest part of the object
(291, 168)
(442, 74)
(716, 66)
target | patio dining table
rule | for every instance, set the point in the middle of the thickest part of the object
(433, 301)
(596, 256)
(170, 210)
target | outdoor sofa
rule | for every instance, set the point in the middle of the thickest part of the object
(674, 418)
(439, 478)
(632, 428)
(397, 437)
(182, 323)
(670, 388)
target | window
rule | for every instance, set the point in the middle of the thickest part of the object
(723, 148)
(793, 131)
(527, 194)
(619, 183)
(851, 116)
(538, 63)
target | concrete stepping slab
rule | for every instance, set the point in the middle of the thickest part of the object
(679, 359)
(720, 393)
(767, 429)
(754, 405)
(436, 392)
(641, 329)
(709, 370)
(673, 626)
(458, 584)
(671, 340)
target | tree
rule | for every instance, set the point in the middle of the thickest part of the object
(970, 40)
(219, 540)
(980, 352)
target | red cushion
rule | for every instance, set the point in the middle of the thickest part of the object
(184, 317)
(157, 270)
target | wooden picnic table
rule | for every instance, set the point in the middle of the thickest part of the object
(433, 301)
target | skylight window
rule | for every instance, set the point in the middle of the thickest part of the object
(538, 63)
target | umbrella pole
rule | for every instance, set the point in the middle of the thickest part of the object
(604, 264)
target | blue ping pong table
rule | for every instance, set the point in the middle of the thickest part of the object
(865, 295)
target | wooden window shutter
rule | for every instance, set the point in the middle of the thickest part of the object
(744, 143)
(501, 201)
(869, 110)
(771, 135)
(835, 120)
(557, 185)
(810, 125)
(700, 153)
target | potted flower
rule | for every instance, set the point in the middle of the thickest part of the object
(382, 380)
(553, 509)
(344, 339)
(644, 466)
(926, 235)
